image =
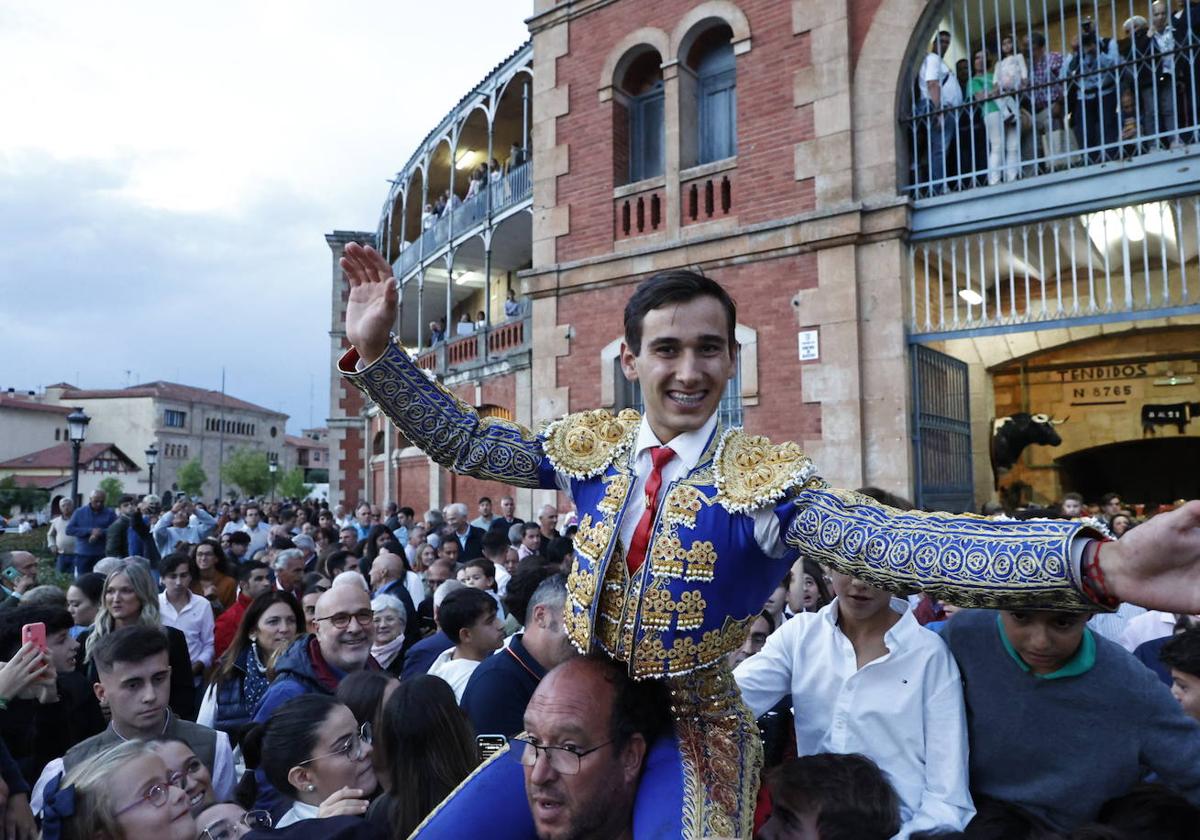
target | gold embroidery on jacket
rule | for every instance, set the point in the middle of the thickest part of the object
(751, 472)
(582, 445)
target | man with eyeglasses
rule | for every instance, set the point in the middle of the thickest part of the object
(318, 663)
(230, 821)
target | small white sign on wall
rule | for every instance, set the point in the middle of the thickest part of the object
(810, 348)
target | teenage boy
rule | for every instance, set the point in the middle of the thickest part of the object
(239, 547)
(135, 682)
(468, 617)
(187, 612)
(1182, 655)
(1063, 720)
(866, 678)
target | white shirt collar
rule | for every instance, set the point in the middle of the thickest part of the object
(905, 627)
(688, 447)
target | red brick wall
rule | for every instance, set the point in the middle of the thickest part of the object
(862, 15)
(412, 483)
(350, 456)
(762, 291)
(769, 125)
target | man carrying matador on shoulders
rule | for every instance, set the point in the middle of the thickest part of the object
(685, 527)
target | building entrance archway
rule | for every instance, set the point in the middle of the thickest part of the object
(1147, 470)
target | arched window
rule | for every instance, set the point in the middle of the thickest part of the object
(641, 107)
(715, 95)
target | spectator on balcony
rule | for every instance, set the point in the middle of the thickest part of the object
(480, 320)
(437, 333)
(427, 217)
(439, 206)
(981, 89)
(465, 325)
(495, 171)
(1045, 96)
(940, 94)
(1093, 100)
(1140, 53)
(962, 72)
(451, 199)
(512, 306)
(1010, 77)
(1165, 93)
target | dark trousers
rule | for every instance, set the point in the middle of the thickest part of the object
(85, 563)
(1096, 123)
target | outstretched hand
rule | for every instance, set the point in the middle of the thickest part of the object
(371, 309)
(1157, 564)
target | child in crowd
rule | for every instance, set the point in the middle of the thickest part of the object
(1063, 720)
(480, 573)
(468, 616)
(831, 796)
(1182, 655)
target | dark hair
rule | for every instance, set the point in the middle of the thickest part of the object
(169, 562)
(485, 565)
(426, 745)
(1108, 497)
(362, 693)
(312, 581)
(886, 498)
(222, 562)
(526, 527)
(286, 738)
(91, 585)
(125, 499)
(1072, 497)
(251, 506)
(560, 549)
(56, 620)
(245, 570)
(639, 707)
(483, 499)
(239, 537)
(678, 286)
(339, 560)
(813, 569)
(133, 644)
(843, 790)
(1037, 38)
(371, 550)
(1151, 810)
(282, 544)
(1182, 652)
(524, 582)
(407, 511)
(461, 609)
(226, 667)
(495, 542)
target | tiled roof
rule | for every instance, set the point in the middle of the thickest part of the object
(42, 482)
(59, 457)
(23, 404)
(303, 442)
(167, 391)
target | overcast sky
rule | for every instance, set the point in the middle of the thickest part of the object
(168, 173)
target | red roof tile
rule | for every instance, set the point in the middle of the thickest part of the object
(303, 442)
(42, 482)
(59, 457)
(167, 391)
(23, 404)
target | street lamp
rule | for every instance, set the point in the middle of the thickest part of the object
(151, 460)
(77, 423)
(272, 465)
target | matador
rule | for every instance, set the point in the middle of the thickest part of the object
(686, 526)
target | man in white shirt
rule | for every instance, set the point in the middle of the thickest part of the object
(187, 612)
(185, 523)
(866, 678)
(939, 89)
(467, 616)
(1150, 625)
(253, 524)
(60, 543)
(484, 520)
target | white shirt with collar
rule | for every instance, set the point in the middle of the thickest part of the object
(195, 622)
(299, 811)
(688, 448)
(1150, 625)
(904, 710)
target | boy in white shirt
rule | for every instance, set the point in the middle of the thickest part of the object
(866, 678)
(469, 617)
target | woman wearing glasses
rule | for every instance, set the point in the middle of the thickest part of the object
(124, 793)
(191, 772)
(230, 821)
(316, 754)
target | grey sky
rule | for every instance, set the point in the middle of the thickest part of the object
(168, 173)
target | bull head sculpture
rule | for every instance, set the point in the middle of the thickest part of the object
(1010, 436)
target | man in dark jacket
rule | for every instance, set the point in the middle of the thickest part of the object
(470, 538)
(129, 533)
(89, 526)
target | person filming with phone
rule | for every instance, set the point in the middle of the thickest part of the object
(18, 574)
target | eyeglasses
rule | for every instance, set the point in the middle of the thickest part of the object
(225, 830)
(566, 761)
(353, 748)
(157, 795)
(342, 620)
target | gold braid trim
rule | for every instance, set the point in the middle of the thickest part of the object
(582, 445)
(751, 472)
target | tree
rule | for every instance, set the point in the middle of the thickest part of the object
(191, 478)
(113, 489)
(246, 469)
(21, 498)
(291, 485)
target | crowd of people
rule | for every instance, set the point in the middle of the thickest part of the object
(324, 672)
(1016, 107)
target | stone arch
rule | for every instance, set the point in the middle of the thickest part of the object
(630, 47)
(698, 19)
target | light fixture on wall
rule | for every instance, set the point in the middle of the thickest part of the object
(1171, 379)
(465, 159)
(970, 296)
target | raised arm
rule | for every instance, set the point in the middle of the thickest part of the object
(445, 428)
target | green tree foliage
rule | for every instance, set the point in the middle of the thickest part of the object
(113, 488)
(20, 498)
(191, 478)
(291, 484)
(246, 469)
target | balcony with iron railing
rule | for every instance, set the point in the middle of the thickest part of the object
(498, 348)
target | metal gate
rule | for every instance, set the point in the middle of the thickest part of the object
(941, 432)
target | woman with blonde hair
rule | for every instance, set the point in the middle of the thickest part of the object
(124, 793)
(130, 597)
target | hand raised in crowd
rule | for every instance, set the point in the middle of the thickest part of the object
(27, 667)
(18, 818)
(371, 308)
(344, 802)
(1157, 564)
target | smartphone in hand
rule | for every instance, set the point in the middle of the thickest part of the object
(35, 633)
(489, 745)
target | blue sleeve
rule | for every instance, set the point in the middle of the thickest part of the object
(76, 527)
(281, 691)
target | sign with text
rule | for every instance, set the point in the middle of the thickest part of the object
(810, 349)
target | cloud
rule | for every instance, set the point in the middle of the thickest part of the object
(168, 173)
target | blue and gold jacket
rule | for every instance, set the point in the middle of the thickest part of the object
(705, 576)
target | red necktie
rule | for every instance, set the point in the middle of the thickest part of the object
(661, 456)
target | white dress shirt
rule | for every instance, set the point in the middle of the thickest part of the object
(1112, 625)
(1147, 627)
(194, 621)
(456, 672)
(299, 811)
(904, 710)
